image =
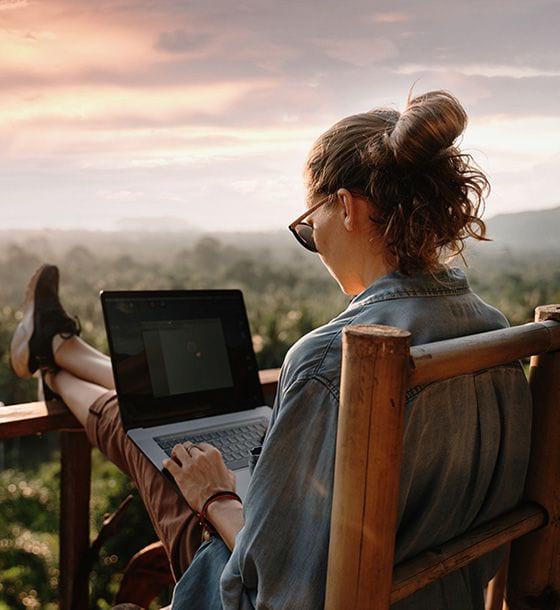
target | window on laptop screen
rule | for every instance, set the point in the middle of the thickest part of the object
(186, 356)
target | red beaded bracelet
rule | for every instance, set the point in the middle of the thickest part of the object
(217, 496)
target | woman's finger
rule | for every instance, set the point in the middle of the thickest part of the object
(189, 446)
(172, 466)
(180, 452)
(206, 446)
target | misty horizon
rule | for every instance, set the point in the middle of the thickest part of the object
(161, 224)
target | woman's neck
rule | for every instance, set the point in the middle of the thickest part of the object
(365, 274)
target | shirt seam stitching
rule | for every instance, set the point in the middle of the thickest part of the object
(324, 381)
(391, 296)
(319, 364)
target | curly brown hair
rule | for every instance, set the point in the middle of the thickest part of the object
(427, 196)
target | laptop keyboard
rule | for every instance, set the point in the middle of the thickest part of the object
(235, 443)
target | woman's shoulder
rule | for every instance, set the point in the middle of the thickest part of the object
(306, 357)
(430, 307)
(318, 354)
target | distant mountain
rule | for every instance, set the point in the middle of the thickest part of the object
(538, 230)
(165, 238)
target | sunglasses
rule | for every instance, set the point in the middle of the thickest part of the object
(303, 231)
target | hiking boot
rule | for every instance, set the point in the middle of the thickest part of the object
(43, 318)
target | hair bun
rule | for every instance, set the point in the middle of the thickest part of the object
(431, 123)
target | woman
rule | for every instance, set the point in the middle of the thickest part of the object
(389, 195)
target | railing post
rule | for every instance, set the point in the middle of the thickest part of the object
(534, 576)
(367, 470)
(75, 478)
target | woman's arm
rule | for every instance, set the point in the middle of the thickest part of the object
(200, 472)
(227, 518)
(280, 555)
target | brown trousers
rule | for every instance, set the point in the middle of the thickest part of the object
(172, 518)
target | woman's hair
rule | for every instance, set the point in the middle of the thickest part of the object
(426, 196)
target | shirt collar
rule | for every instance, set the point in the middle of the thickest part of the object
(396, 285)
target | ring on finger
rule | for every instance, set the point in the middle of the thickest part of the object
(192, 446)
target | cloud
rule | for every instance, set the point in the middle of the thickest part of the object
(518, 189)
(359, 52)
(180, 41)
(69, 47)
(112, 99)
(389, 17)
(460, 34)
(80, 104)
(7, 5)
(489, 70)
(120, 195)
(527, 137)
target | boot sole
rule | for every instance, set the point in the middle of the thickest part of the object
(19, 346)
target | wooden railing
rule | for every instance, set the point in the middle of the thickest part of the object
(75, 482)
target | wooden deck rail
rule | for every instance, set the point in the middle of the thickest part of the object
(377, 368)
(36, 417)
(75, 473)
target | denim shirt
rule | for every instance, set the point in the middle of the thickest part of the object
(465, 454)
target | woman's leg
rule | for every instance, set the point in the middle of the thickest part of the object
(96, 407)
(46, 339)
(82, 360)
(78, 394)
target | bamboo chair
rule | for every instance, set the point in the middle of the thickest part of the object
(378, 366)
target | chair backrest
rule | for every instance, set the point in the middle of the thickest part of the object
(378, 367)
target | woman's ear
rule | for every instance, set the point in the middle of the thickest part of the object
(347, 202)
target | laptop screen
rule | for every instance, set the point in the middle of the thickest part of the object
(180, 354)
(186, 356)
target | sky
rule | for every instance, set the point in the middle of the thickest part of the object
(201, 113)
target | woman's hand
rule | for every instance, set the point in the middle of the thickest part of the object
(199, 472)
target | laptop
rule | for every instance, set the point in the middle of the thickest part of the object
(185, 369)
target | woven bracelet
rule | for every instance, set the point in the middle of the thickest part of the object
(217, 496)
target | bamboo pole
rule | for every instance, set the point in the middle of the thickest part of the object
(462, 355)
(534, 576)
(433, 564)
(75, 457)
(367, 469)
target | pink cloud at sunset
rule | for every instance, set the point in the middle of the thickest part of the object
(180, 102)
(68, 105)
